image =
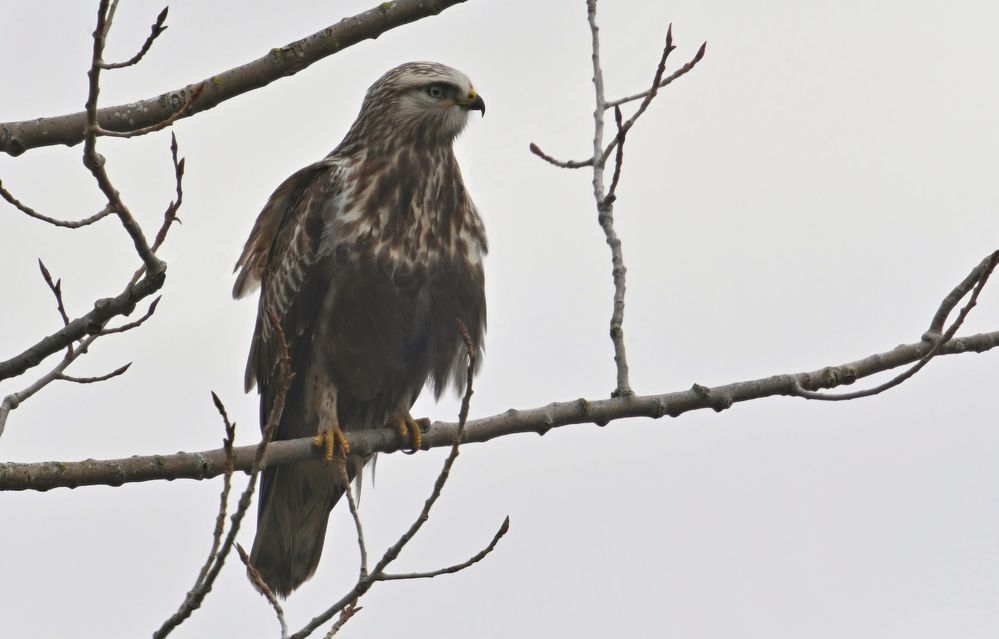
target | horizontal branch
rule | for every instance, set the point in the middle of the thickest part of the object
(208, 464)
(18, 137)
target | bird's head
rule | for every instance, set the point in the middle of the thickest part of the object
(427, 100)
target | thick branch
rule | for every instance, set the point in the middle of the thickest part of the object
(17, 137)
(208, 464)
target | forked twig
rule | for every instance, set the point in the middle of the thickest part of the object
(155, 31)
(941, 341)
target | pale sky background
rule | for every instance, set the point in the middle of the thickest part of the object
(805, 197)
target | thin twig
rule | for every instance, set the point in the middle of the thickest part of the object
(111, 13)
(95, 163)
(154, 32)
(666, 81)
(92, 380)
(647, 100)
(189, 100)
(66, 224)
(479, 556)
(345, 615)
(170, 215)
(954, 298)
(13, 400)
(86, 325)
(258, 582)
(352, 504)
(197, 594)
(392, 552)
(618, 158)
(924, 360)
(56, 288)
(227, 445)
(565, 164)
(137, 323)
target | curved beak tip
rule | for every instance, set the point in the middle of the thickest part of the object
(477, 104)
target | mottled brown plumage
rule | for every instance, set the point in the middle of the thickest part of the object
(366, 258)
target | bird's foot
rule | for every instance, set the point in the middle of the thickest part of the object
(331, 439)
(409, 430)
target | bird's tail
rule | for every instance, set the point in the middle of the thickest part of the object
(295, 504)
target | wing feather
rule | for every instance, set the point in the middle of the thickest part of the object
(282, 256)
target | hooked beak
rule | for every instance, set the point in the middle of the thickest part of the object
(474, 102)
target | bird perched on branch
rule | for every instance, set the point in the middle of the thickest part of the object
(365, 259)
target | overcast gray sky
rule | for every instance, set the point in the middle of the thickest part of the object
(805, 197)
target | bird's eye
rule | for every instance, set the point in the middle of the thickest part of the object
(435, 91)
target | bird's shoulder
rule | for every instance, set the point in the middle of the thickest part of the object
(289, 228)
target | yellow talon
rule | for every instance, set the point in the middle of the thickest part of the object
(331, 439)
(409, 429)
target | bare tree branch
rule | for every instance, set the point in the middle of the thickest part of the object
(955, 296)
(94, 162)
(666, 81)
(13, 400)
(94, 323)
(479, 556)
(563, 164)
(227, 445)
(18, 137)
(206, 579)
(93, 380)
(56, 288)
(983, 277)
(650, 95)
(135, 324)
(207, 464)
(91, 323)
(605, 211)
(170, 215)
(66, 224)
(366, 580)
(155, 31)
(352, 505)
(258, 582)
(618, 157)
(349, 611)
(185, 108)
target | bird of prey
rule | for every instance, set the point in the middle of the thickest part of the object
(366, 259)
